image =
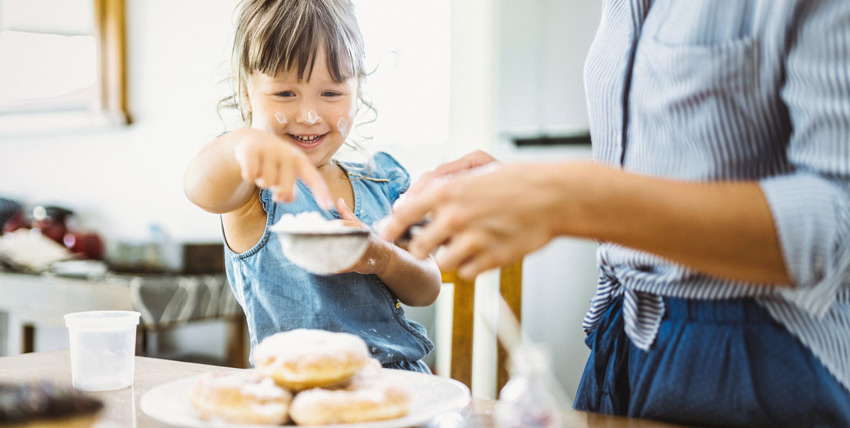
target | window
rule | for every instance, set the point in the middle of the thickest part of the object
(63, 65)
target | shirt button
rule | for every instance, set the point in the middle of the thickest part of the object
(397, 305)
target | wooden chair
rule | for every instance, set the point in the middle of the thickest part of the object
(510, 287)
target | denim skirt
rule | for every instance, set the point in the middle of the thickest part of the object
(714, 363)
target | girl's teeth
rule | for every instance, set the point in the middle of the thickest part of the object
(307, 139)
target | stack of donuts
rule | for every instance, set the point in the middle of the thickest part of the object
(311, 377)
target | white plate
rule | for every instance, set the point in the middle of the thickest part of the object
(432, 396)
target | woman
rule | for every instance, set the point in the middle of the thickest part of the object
(720, 195)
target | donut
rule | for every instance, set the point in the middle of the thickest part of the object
(244, 398)
(46, 404)
(368, 398)
(305, 358)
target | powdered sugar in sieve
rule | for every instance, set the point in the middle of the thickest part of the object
(320, 246)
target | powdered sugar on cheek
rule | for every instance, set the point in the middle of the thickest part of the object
(342, 126)
(280, 118)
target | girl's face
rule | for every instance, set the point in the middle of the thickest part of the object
(315, 115)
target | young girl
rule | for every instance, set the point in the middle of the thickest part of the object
(298, 67)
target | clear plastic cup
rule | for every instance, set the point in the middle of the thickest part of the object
(103, 347)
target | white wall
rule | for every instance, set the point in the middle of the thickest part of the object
(542, 45)
(120, 180)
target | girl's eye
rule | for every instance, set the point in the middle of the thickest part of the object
(330, 94)
(285, 94)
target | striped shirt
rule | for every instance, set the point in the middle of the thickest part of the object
(710, 90)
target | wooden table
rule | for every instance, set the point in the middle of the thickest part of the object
(122, 406)
(123, 410)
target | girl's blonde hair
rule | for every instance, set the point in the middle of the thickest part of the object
(279, 36)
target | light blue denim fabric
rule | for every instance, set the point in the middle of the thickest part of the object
(277, 295)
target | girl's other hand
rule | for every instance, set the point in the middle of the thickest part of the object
(376, 255)
(271, 162)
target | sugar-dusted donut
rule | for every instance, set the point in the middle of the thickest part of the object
(304, 358)
(368, 398)
(241, 398)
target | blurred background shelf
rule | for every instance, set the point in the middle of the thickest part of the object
(165, 301)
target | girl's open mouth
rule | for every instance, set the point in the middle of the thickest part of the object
(307, 141)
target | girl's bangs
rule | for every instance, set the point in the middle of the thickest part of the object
(286, 48)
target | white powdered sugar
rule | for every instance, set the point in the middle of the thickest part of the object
(308, 222)
(310, 241)
(309, 346)
(265, 389)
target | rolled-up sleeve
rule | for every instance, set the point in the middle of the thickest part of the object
(811, 207)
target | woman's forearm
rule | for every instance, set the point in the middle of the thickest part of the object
(721, 229)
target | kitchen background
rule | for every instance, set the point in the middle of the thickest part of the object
(450, 76)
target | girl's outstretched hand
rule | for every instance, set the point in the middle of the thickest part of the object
(484, 218)
(270, 162)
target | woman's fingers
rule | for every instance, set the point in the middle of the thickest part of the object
(458, 251)
(469, 161)
(424, 181)
(424, 196)
(483, 218)
(412, 211)
(431, 236)
(472, 252)
(478, 251)
(482, 261)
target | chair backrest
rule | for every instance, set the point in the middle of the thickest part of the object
(510, 288)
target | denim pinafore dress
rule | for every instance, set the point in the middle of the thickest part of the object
(277, 295)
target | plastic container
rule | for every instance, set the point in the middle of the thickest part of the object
(103, 347)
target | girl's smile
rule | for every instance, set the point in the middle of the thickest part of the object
(307, 142)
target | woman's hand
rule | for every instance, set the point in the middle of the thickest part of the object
(270, 162)
(469, 161)
(484, 217)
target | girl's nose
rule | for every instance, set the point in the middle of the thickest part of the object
(309, 116)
